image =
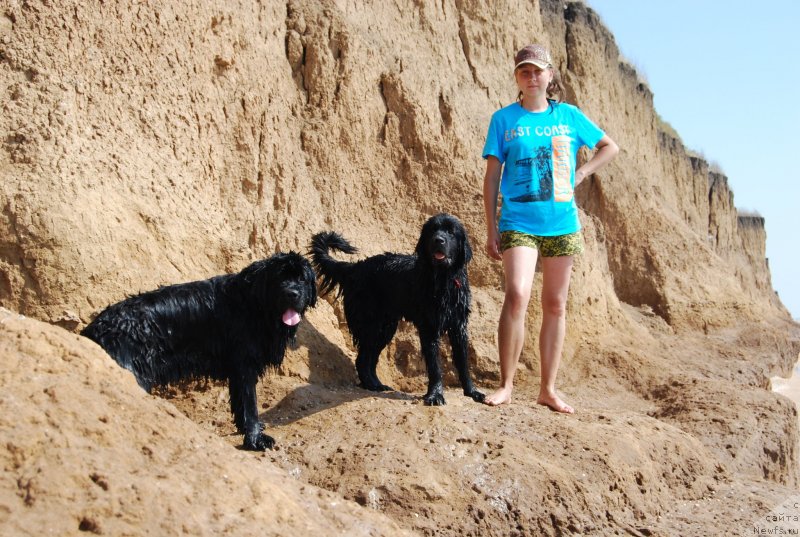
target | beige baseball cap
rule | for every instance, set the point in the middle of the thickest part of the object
(538, 55)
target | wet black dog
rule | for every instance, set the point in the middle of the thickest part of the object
(229, 327)
(429, 289)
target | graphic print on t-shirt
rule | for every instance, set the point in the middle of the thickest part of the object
(562, 172)
(551, 166)
(526, 169)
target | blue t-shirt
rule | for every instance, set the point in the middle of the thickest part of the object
(538, 151)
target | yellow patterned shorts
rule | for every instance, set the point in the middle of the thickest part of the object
(560, 245)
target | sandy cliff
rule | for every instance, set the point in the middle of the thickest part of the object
(142, 145)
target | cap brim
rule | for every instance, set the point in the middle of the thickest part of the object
(537, 63)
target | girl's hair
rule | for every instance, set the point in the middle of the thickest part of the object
(555, 90)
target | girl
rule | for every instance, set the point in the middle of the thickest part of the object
(534, 143)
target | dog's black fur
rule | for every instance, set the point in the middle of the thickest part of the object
(229, 327)
(429, 288)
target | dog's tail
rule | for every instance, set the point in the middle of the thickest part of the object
(331, 271)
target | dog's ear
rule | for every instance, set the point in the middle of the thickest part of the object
(311, 282)
(422, 242)
(467, 249)
(428, 229)
(255, 279)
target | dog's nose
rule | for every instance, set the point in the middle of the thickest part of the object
(292, 293)
(438, 239)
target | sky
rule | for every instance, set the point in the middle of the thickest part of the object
(726, 76)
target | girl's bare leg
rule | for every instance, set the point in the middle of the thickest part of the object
(519, 267)
(556, 272)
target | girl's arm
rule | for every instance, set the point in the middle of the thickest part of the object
(607, 149)
(491, 187)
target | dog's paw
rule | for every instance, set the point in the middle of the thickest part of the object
(476, 396)
(376, 387)
(434, 399)
(261, 442)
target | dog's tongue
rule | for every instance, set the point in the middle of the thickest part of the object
(438, 255)
(290, 317)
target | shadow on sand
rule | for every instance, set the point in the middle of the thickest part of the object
(332, 381)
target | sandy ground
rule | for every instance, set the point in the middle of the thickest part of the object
(85, 449)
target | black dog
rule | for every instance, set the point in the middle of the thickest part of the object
(229, 327)
(429, 288)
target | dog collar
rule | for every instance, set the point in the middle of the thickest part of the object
(457, 282)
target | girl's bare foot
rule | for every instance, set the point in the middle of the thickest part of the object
(554, 403)
(500, 397)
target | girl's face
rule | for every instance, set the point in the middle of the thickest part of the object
(532, 80)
